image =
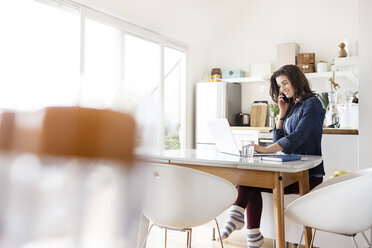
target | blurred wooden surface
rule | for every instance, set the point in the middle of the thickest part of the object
(69, 131)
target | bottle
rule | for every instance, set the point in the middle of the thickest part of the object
(347, 116)
(332, 115)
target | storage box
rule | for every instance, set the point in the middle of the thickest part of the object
(306, 58)
(233, 73)
(306, 68)
(286, 54)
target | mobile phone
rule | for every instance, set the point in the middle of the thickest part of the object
(286, 99)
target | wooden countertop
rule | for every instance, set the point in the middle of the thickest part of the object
(251, 128)
(325, 130)
(340, 131)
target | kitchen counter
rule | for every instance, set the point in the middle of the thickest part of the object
(325, 130)
(251, 128)
(340, 131)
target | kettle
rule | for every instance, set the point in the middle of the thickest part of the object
(242, 119)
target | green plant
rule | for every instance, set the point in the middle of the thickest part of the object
(323, 97)
(171, 139)
(274, 108)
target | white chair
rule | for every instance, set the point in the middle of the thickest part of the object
(179, 198)
(341, 205)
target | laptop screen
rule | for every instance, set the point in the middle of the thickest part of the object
(223, 137)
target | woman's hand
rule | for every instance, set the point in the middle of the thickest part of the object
(283, 106)
(260, 149)
(268, 149)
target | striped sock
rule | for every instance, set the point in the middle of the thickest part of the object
(235, 221)
(254, 238)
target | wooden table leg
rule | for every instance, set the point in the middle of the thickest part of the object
(278, 195)
(304, 187)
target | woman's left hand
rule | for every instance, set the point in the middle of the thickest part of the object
(268, 149)
(260, 149)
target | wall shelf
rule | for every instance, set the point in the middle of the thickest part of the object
(350, 75)
(347, 61)
(345, 68)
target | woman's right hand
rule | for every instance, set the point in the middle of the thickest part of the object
(283, 106)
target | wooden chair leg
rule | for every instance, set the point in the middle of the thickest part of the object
(189, 235)
(165, 238)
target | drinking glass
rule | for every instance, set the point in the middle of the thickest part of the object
(247, 148)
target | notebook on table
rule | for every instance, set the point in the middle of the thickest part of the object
(281, 157)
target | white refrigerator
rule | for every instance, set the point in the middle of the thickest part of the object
(214, 100)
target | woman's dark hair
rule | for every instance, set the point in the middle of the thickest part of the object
(298, 81)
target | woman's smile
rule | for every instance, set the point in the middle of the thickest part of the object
(285, 86)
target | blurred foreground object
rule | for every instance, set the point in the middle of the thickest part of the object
(68, 179)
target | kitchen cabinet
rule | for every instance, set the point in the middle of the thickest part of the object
(340, 152)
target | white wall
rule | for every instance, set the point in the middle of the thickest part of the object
(365, 85)
(317, 26)
(196, 62)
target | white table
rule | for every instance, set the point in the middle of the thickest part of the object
(257, 173)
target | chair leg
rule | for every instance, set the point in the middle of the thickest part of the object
(189, 234)
(365, 237)
(219, 232)
(312, 240)
(165, 238)
(147, 235)
(353, 238)
(213, 234)
(302, 236)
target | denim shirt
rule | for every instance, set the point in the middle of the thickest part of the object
(303, 132)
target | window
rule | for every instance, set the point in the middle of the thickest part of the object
(174, 81)
(39, 62)
(101, 65)
(56, 52)
(142, 63)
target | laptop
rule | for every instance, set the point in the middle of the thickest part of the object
(223, 137)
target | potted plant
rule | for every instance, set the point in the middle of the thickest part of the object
(274, 112)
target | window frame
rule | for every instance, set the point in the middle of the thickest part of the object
(124, 27)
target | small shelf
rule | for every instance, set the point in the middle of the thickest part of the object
(349, 74)
(347, 61)
(344, 68)
(328, 74)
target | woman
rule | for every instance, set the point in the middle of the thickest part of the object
(298, 131)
